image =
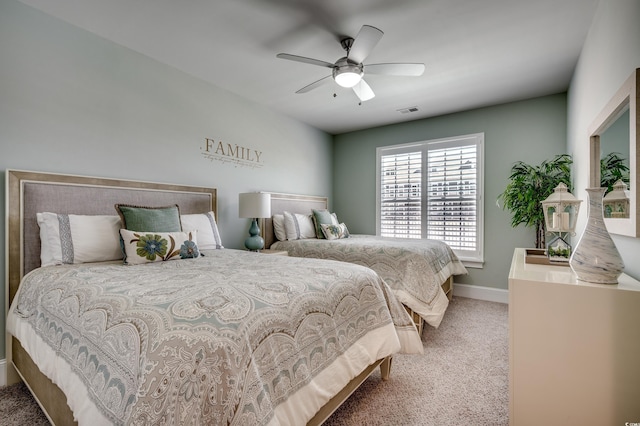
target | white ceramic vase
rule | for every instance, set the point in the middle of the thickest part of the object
(596, 258)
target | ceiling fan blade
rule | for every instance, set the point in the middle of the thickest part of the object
(364, 43)
(363, 91)
(411, 70)
(315, 84)
(305, 60)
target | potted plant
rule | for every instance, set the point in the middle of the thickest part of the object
(530, 185)
(613, 168)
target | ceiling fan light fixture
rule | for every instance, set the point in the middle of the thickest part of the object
(347, 75)
(348, 71)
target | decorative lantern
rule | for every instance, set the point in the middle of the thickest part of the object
(560, 216)
(561, 210)
(616, 202)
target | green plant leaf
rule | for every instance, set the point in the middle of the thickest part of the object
(530, 185)
(613, 167)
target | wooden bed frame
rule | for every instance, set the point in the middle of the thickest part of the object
(303, 204)
(30, 192)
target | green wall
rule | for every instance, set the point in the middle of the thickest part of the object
(531, 131)
(616, 138)
(71, 102)
(74, 103)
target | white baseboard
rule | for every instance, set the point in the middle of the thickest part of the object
(489, 294)
(3, 372)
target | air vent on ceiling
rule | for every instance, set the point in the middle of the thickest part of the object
(408, 110)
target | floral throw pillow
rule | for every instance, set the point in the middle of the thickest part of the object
(146, 247)
(321, 217)
(335, 232)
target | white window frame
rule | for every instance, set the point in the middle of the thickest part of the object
(471, 258)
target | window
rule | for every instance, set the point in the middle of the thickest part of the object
(433, 189)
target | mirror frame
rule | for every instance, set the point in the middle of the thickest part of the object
(627, 96)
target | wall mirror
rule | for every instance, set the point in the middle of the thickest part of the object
(615, 132)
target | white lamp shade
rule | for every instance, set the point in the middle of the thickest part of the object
(255, 205)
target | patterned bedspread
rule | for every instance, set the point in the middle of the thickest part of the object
(230, 338)
(414, 268)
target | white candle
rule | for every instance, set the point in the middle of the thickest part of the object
(565, 221)
(556, 221)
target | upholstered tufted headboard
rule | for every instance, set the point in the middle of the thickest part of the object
(28, 193)
(293, 204)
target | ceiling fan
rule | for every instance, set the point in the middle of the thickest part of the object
(349, 70)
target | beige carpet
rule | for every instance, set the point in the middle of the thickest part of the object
(460, 380)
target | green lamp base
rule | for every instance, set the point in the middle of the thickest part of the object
(255, 241)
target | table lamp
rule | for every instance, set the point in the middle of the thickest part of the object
(254, 205)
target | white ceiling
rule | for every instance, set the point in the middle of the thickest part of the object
(477, 52)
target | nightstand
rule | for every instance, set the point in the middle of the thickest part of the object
(276, 252)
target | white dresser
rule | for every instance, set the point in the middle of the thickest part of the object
(574, 348)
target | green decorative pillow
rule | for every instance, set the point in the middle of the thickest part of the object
(335, 232)
(323, 217)
(147, 247)
(150, 219)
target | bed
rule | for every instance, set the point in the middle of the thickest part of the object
(231, 337)
(420, 272)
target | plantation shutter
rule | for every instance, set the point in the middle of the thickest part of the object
(401, 195)
(433, 189)
(452, 196)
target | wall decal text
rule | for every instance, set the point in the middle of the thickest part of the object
(231, 153)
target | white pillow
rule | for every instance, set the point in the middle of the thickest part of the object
(278, 227)
(205, 224)
(69, 238)
(298, 226)
(149, 247)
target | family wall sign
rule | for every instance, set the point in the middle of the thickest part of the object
(239, 156)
